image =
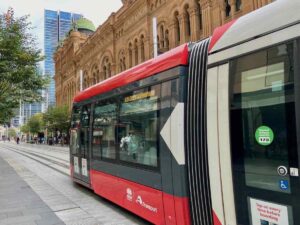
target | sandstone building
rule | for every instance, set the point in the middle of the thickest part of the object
(125, 38)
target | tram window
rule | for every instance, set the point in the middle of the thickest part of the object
(75, 122)
(262, 135)
(104, 125)
(85, 116)
(75, 117)
(137, 131)
(84, 129)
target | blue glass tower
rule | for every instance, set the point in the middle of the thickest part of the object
(57, 25)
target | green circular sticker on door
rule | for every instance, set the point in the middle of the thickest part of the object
(264, 135)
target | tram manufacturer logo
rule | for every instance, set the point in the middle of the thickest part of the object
(140, 201)
(129, 194)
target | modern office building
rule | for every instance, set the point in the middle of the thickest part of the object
(24, 112)
(57, 24)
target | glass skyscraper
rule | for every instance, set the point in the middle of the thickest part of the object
(57, 26)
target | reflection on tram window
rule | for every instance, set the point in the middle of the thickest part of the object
(75, 122)
(84, 130)
(74, 145)
(103, 137)
(263, 96)
(137, 131)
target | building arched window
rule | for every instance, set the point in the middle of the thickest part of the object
(122, 61)
(167, 44)
(187, 20)
(162, 36)
(95, 78)
(95, 75)
(85, 80)
(121, 65)
(106, 67)
(200, 14)
(177, 28)
(136, 52)
(238, 4)
(227, 8)
(85, 83)
(142, 41)
(130, 54)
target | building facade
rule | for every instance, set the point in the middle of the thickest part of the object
(56, 25)
(125, 38)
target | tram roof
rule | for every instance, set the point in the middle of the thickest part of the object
(175, 57)
(275, 16)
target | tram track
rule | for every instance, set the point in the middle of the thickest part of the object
(40, 158)
(44, 154)
(52, 149)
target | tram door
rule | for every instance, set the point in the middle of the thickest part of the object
(263, 137)
(81, 139)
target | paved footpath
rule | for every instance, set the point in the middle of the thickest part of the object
(19, 204)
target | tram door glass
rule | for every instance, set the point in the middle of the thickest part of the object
(84, 131)
(75, 122)
(263, 138)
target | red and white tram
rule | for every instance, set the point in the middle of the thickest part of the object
(205, 134)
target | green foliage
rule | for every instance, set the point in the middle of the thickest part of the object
(24, 129)
(57, 119)
(12, 132)
(35, 123)
(19, 78)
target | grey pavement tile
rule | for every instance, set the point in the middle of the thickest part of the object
(10, 209)
(39, 210)
(49, 221)
(19, 204)
(24, 223)
(14, 214)
(3, 216)
(48, 216)
(21, 219)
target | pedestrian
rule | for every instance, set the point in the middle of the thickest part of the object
(18, 140)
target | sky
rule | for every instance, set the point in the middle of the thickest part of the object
(95, 10)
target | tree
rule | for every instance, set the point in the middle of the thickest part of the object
(24, 129)
(19, 78)
(12, 132)
(57, 119)
(35, 123)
